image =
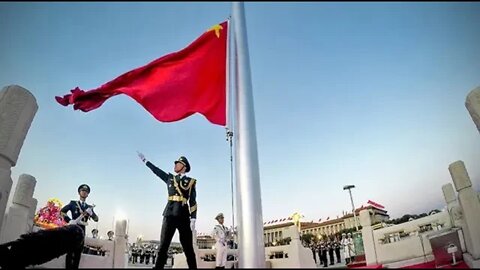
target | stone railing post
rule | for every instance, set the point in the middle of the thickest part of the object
(120, 247)
(17, 109)
(31, 214)
(16, 222)
(473, 106)
(368, 239)
(470, 205)
(455, 212)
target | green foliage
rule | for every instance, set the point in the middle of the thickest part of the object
(307, 238)
(281, 242)
(284, 241)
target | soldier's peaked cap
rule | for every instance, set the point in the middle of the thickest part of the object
(184, 161)
(84, 186)
(219, 216)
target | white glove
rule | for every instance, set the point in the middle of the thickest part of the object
(192, 224)
(89, 211)
(141, 156)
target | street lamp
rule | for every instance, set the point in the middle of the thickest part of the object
(349, 187)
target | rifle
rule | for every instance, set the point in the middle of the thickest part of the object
(79, 220)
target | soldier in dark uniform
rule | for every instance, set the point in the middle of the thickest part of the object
(330, 248)
(312, 247)
(147, 256)
(319, 252)
(142, 255)
(323, 251)
(337, 249)
(154, 255)
(82, 211)
(177, 214)
(134, 255)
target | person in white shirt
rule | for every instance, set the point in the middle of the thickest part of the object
(221, 235)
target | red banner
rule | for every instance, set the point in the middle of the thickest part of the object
(372, 203)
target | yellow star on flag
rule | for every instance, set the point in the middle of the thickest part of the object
(216, 28)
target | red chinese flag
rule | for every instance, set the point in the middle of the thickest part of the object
(174, 86)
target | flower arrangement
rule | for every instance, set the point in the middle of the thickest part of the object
(49, 217)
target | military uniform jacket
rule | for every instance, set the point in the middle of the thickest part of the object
(180, 191)
(220, 234)
(76, 209)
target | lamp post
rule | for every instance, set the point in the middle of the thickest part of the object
(349, 187)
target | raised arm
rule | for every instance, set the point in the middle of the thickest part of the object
(160, 173)
(163, 175)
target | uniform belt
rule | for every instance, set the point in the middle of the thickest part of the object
(177, 198)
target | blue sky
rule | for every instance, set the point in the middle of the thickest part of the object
(370, 94)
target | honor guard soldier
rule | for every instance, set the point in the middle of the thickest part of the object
(330, 252)
(323, 251)
(336, 245)
(346, 248)
(154, 255)
(221, 235)
(94, 233)
(351, 247)
(81, 212)
(135, 254)
(178, 214)
(312, 247)
(110, 235)
(319, 252)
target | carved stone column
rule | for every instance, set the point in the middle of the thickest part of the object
(17, 109)
(119, 259)
(473, 106)
(470, 205)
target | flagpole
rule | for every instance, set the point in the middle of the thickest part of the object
(228, 128)
(251, 248)
(228, 88)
